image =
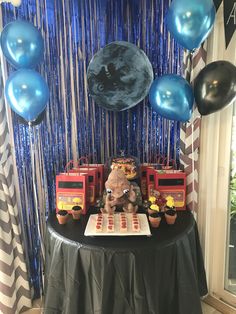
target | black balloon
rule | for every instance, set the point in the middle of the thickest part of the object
(37, 121)
(215, 87)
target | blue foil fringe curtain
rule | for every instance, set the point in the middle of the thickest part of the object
(74, 125)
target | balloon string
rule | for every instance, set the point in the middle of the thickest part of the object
(168, 145)
(193, 169)
(189, 65)
(35, 194)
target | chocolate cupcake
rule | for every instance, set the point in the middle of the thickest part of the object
(155, 219)
(62, 216)
(170, 213)
(153, 209)
(76, 212)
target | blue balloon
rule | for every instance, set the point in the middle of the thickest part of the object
(171, 96)
(190, 21)
(27, 93)
(22, 44)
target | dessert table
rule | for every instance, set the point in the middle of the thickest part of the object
(160, 274)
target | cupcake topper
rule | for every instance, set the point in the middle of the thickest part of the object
(152, 199)
(60, 205)
(170, 201)
(76, 200)
(155, 207)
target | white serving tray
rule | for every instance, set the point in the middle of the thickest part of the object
(90, 229)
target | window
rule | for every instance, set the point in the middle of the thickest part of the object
(230, 266)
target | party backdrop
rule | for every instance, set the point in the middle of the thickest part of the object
(73, 125)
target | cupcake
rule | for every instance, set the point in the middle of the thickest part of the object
(155, 219)
(170, 213)
(153, 209)
(76, 212)
(62, 216)
(154, 215)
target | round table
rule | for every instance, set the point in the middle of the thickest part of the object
(161, 274)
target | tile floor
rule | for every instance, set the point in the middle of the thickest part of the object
(206, 309)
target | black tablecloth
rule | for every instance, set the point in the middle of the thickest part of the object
(161, 274)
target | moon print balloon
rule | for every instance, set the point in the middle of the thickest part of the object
(119, 76)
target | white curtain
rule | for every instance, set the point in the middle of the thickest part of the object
(215, 162)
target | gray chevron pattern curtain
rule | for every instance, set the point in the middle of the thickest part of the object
(190, 134)
(14, 285)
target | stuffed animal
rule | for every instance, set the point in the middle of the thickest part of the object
(120, 193)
